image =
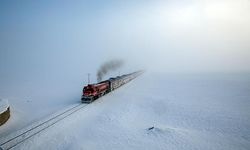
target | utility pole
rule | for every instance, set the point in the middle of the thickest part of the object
(88, 78)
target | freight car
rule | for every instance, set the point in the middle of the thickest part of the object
(93, 91)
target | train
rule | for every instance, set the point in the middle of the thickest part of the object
(92, 92)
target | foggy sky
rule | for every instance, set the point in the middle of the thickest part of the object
(71, 38)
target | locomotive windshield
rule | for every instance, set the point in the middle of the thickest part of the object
(87, 88)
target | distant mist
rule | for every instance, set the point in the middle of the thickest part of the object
(44, 41)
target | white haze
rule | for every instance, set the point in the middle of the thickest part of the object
(51, 40)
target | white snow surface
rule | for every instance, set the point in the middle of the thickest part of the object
(186, 111)
(35, 100)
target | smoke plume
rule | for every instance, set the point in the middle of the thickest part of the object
(107, 67)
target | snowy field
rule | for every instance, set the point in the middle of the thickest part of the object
(35, 99)
(186, 111)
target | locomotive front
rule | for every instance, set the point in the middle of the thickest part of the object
(88, 94)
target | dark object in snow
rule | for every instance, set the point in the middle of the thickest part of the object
(4, 111)
(4, 116)
(92, 92)
(151, 128)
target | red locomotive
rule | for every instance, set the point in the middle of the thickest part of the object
(93, 91)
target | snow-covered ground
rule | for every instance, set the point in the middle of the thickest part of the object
(186, 111)
(35, 99)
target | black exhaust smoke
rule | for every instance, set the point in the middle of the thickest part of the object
(107, 67)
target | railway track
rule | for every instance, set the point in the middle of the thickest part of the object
(19, 137)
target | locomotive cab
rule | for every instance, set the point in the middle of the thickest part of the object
(88, 90)
(87, 94)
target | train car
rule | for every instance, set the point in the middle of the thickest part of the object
(115, 82)
(121, 80)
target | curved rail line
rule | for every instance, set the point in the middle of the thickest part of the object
(11, 142)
